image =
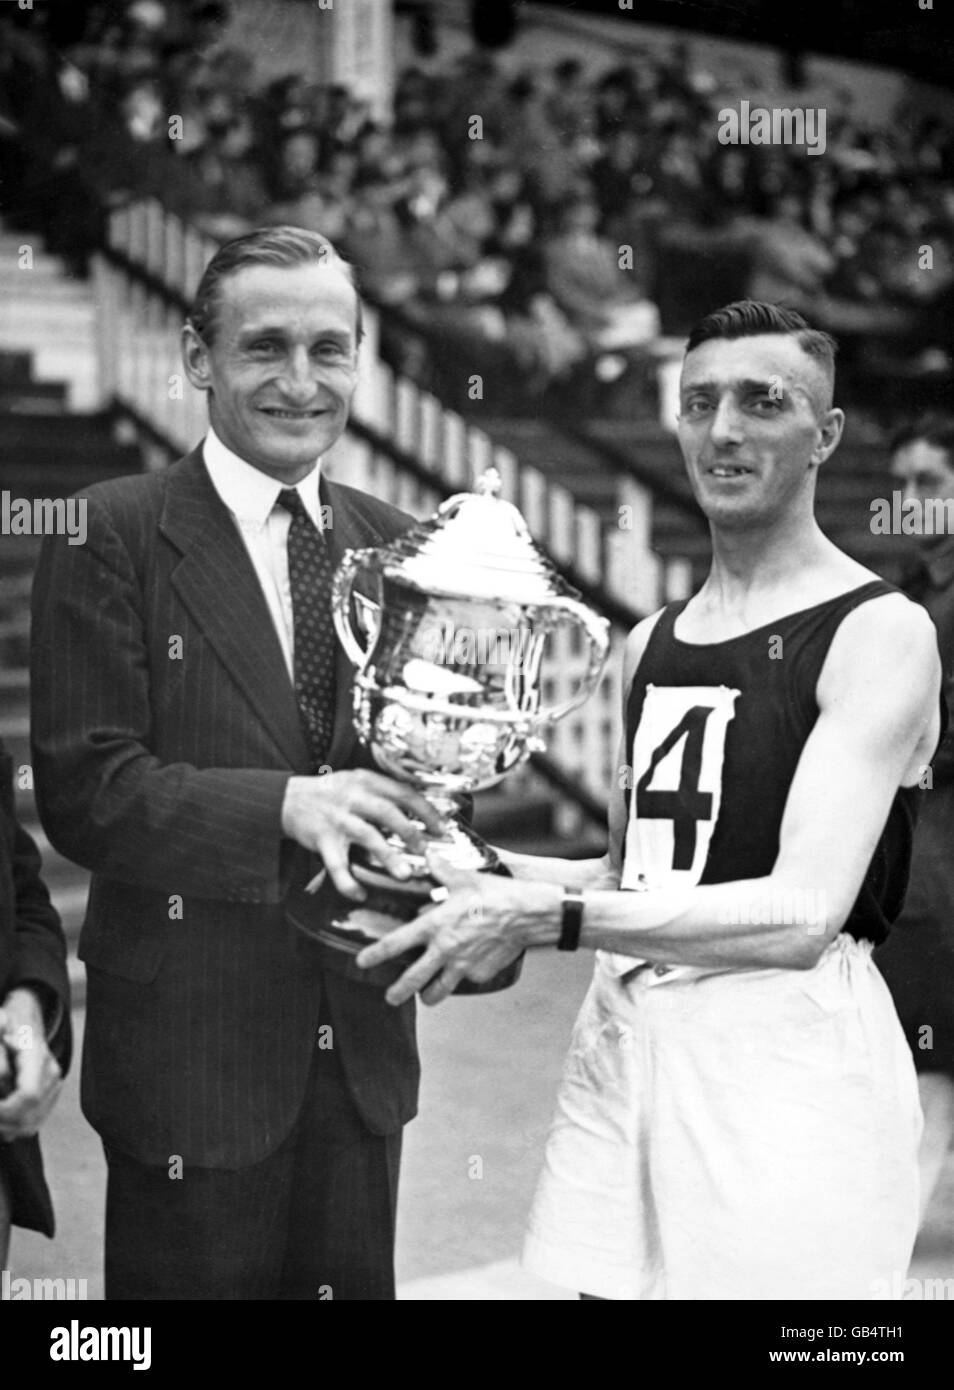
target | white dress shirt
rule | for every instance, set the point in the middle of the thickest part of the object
(251, 497)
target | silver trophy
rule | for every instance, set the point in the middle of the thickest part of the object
(453, 621)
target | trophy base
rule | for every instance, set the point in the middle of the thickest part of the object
(346, 927)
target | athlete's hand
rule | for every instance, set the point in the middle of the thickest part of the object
(332, 812)
(479, 928)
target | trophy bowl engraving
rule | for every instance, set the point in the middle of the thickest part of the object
(449, 697)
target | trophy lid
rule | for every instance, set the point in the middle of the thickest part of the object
(476, 546)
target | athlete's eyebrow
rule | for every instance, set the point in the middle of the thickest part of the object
(743, 386)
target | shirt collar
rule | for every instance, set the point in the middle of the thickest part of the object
(250, 494)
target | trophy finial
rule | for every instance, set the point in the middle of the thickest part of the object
(489, 483)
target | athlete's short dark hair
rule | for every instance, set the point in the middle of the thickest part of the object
(929, 429)
(750, 318)
(279, 246)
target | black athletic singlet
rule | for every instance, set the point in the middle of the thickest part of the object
(714, 733)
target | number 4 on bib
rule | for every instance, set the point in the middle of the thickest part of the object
(677, 758)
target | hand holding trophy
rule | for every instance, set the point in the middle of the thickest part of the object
(447, 693)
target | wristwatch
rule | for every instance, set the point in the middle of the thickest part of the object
(571, 920)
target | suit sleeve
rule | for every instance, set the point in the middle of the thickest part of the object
(105, 800)
(39, 948)
(40, 955)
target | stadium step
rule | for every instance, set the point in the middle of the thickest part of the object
(47, 449)
(51, 317)
(44, 454)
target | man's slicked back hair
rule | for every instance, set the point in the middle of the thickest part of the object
(276, 246)
(750, 318)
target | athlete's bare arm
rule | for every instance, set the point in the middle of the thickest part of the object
(878, 724)
(591, 874)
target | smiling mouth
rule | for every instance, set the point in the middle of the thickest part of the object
(276, 414)
(728, 470)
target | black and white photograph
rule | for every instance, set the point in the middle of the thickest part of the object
(477, 663)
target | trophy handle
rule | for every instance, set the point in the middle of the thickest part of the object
(341, 587)
(597, 631)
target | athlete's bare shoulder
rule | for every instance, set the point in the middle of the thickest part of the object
(888, 626)
(636, 644)
(884, 658)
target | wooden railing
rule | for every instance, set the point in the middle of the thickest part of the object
(404, 447)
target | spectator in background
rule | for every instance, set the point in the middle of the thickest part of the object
(568, 104)
(143, 109)
(789, 263)
(227, 189)
(618, 174)
(378, 244)
(339, 173)
(600, 298)
(302, 197)
(917, 960)
(614, 101)
(832, 236)
(534, 146)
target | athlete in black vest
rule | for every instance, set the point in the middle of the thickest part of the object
(738, 1116)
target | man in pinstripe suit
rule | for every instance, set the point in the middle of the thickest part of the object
(247, 1157)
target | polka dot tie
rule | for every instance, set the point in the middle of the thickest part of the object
(310, 569)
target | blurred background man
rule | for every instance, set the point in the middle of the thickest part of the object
(918, 958)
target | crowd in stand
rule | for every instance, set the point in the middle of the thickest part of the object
(546, 219)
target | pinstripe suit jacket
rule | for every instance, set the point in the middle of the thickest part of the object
(164, 731)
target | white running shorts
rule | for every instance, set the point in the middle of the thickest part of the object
(732, 1135)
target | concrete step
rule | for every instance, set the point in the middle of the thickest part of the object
(40, 465)
(16, 367)
(59, 313)
(48, 455)
(14, 698)
(72, 362)
(34, 398)
(94, 430)
(14, 644)
(43, 283)
(15, 733)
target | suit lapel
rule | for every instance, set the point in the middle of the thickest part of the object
(216, 581)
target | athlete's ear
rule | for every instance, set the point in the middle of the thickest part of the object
(195, 357)
(830, 429)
